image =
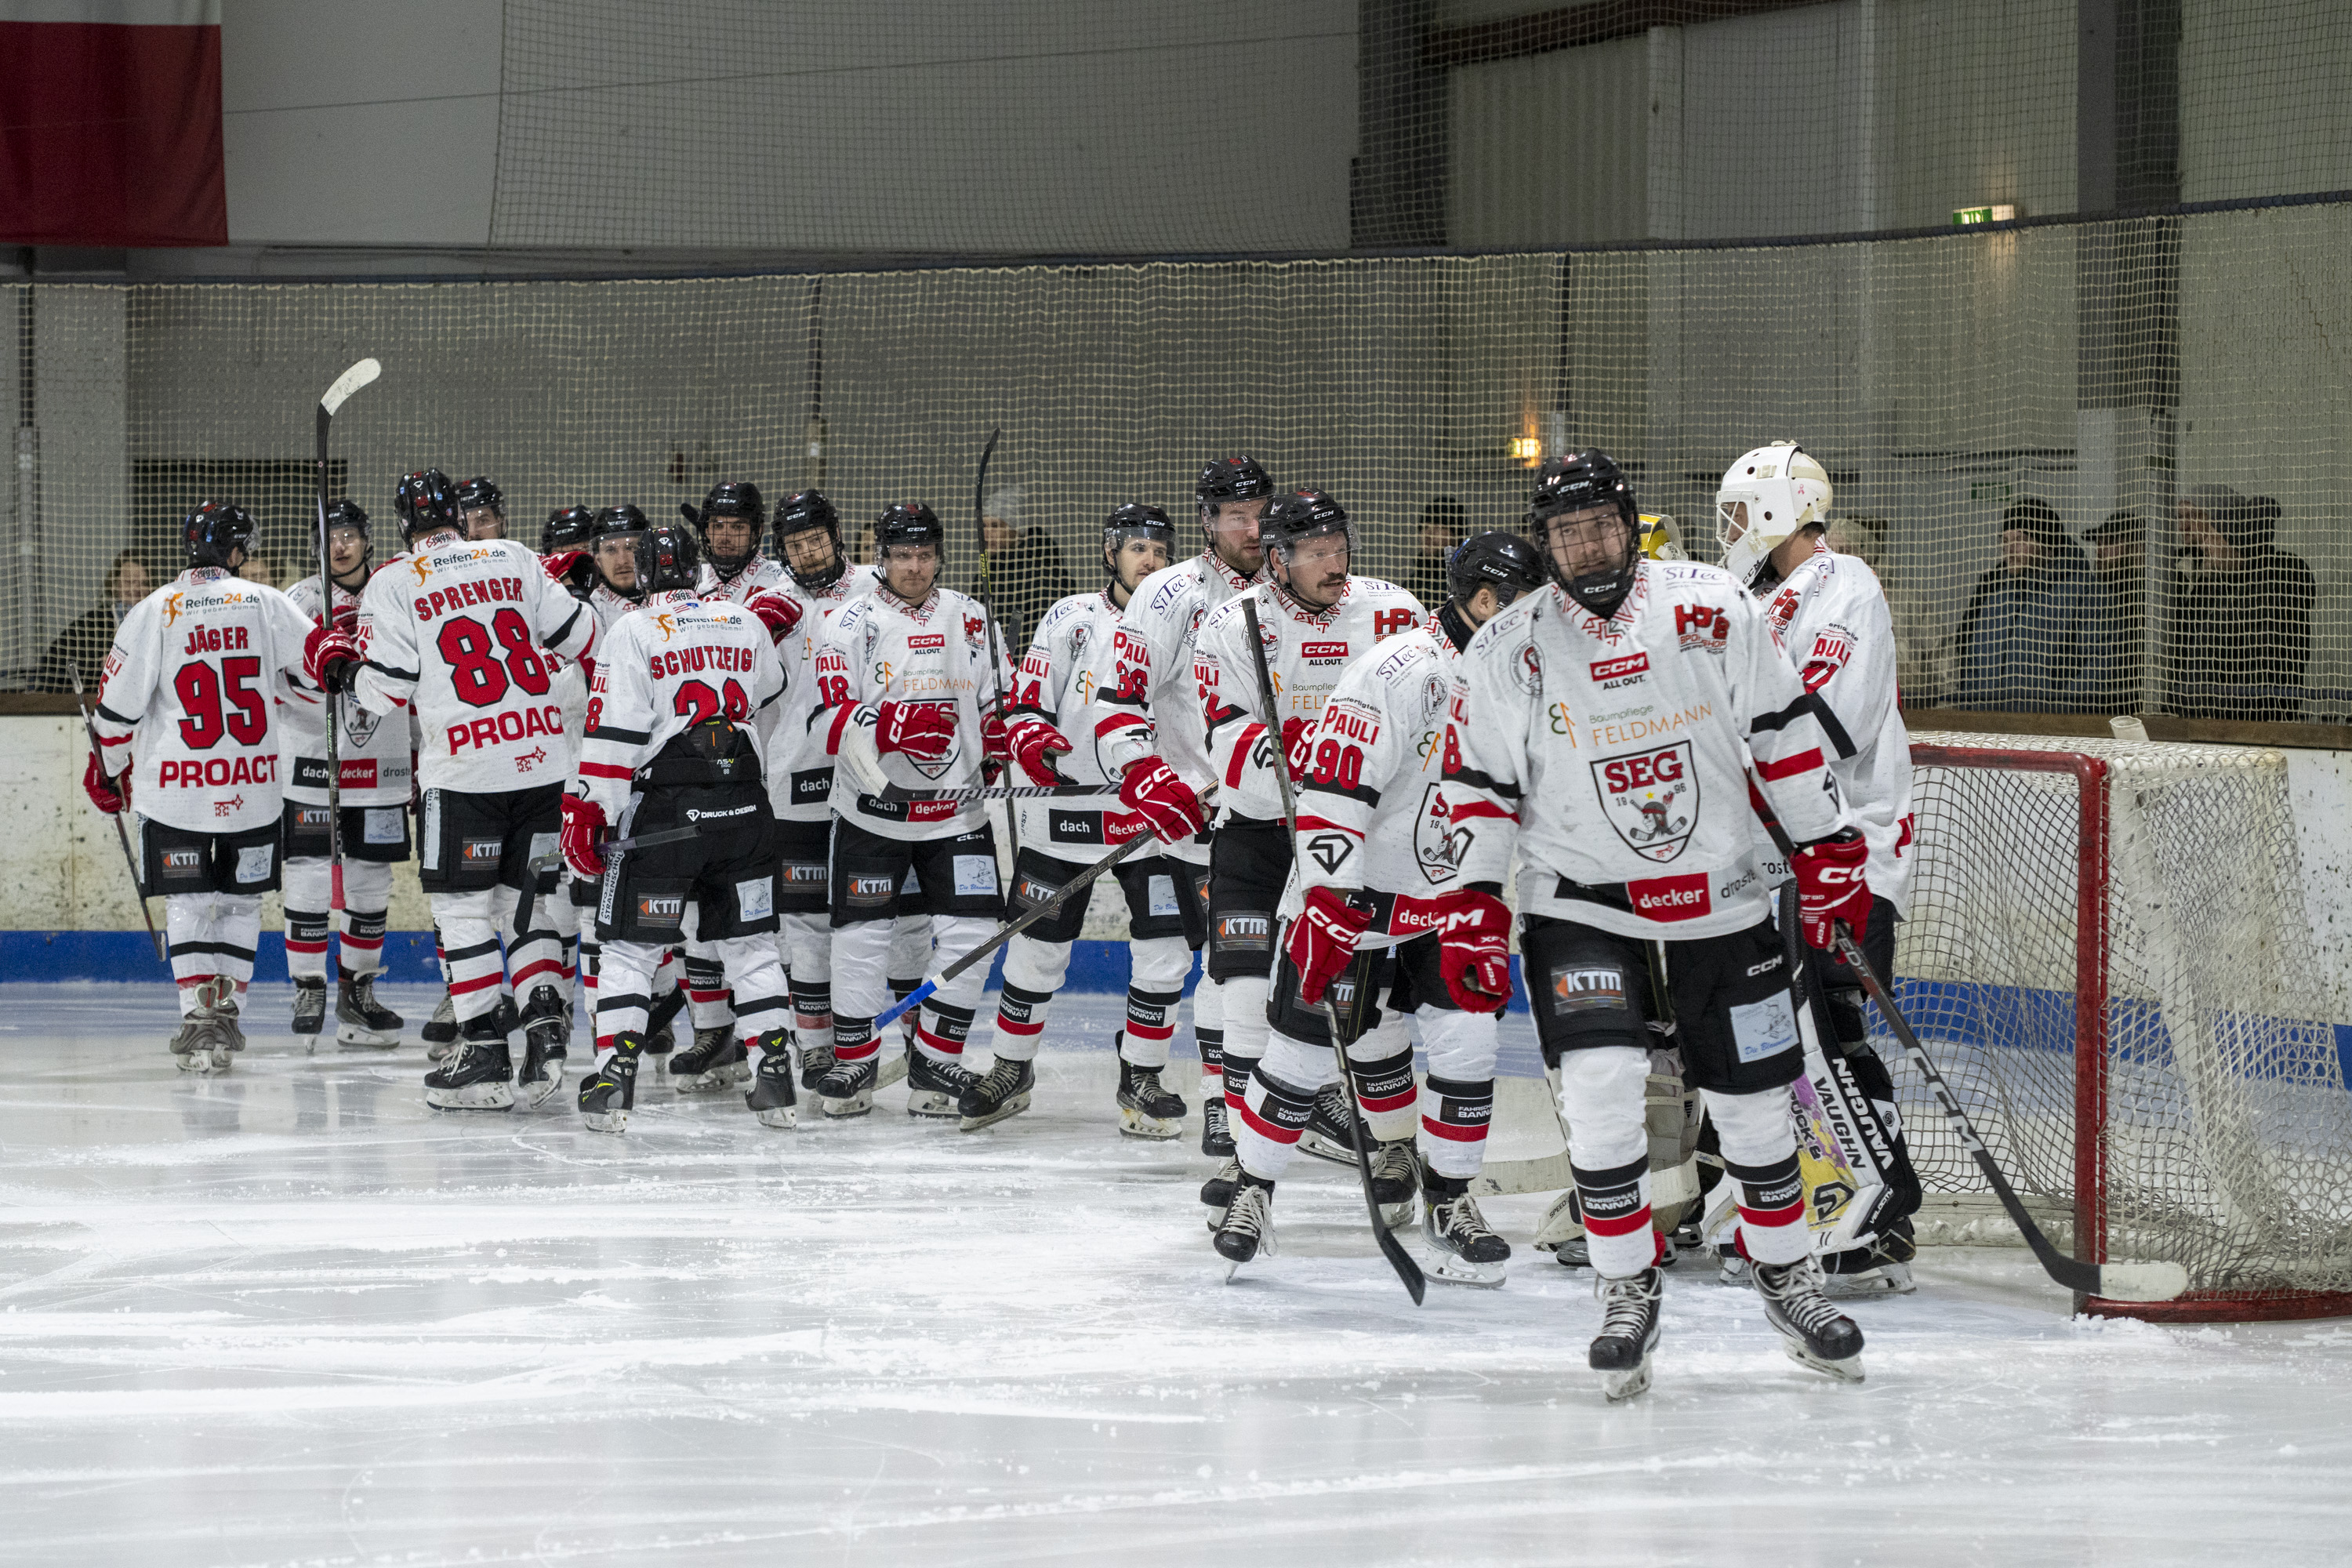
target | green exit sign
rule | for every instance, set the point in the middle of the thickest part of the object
(1989, 489)
(2006, 212)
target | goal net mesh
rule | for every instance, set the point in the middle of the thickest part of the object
(2224, 1139)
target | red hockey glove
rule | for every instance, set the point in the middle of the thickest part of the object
(97, 784)
(1035, 745)
(780, 613)
(1323, 939)
(330, 657)
(917, 729)
(1296, 750)
(1474, 955)
(995, 737)
(347, 620)
(1159, 795)
(583, 824)
(1830, 888)
(561, 565)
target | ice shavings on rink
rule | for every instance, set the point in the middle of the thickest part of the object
(292, 1316)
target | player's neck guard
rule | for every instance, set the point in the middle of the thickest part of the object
(1455, 626)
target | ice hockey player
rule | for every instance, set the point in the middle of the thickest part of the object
(1360, 921)
(1602, 728)
(901, 674)
(377, 770)
(1146, 716)
(1831, 619)
(188, 738)
(460, 630)
(1070, 656)
(1314, 616)
(485, 506)
(683, 693)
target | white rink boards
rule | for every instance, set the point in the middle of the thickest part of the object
(294, 1317)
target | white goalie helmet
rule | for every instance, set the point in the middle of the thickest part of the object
(1783, 489)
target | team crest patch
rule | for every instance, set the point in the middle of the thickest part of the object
(1437, 845)
(1651, 798)
(1526, 668)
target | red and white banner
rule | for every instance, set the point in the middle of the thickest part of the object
(111, 123)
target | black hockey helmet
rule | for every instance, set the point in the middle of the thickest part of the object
(909, 523)
(730, 498)
(1506, 562)
(668, 557)
(347, 513)
(567, 528)
(1293, 518)
(482, 490)
(1137, 520)
(426, 502)
(613, 520)
(213, 529)
(1228, 480)
(1574, 483)
(798, 513)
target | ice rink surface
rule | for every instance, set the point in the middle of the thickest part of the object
(292, 1316)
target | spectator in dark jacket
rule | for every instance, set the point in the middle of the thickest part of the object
(2018, 645)
(1025, 574)
(84, 643)
(2112, 677)
(2240, 612)
(1443, 523)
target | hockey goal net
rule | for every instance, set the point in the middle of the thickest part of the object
(2109, 955)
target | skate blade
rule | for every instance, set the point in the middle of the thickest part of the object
(310, 1044)
(1454, 1269)
(1135, 1124)
(930, 1102)
(472, 1097)
(537, 1092)
(890, 1072)
(1878, 1282)
(1396, 1216)
(1619, 1386)
(1846, 1371)
(614, 1121)
(1013, 1107)
(353, 1035)
(858, 1104)
(1322, 1148)
(782, 1118)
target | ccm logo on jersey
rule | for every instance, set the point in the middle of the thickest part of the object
(1615, 672)
(1701, 626)
(926, 642)
(1323, 652)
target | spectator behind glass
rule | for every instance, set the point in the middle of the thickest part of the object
(1025, 575)
(84, 643)
(2239, 632)
(1922, 663)
(1444, 524)
(2113, 673)
(2018, 646)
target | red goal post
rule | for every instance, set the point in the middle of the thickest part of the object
(2102, 953)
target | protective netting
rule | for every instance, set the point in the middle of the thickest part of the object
(2040, 380)
(2220, 1133)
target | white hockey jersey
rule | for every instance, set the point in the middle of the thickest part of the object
(800, 768)
(761, 575)
(1305, 651)
(1150, 703)
(191, 689)
(1613, 754)
(1371, 814)
(1058, 681)
(879, 649)
(372, 753)
(1830, 618)
(459, 630)
(679, 661)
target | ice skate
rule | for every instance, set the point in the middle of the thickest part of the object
(1147, 1108)
(202, 1045)
(1734, 1270)
(310, 1008)
(1246, 1228)
(815, 1062)
(710, 1064)
(1002, 1091)
(440, 1031)
(1574, 1253)
(1629, 1333)
(1217, 1192)
(546, 1041)
(1814, 1334)
(608, 1094)
(1464, 1249)
(360, 1019)
(1331, 1131)
(1396, 1181)
(1216, 1132)
(227, 1033)
(772, 1098)
(478, 1075)
(1881, 1269)
(846, 1089)
(660, 1040)
(936, 1088)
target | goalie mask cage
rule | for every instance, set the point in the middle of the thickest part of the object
(2108, 955)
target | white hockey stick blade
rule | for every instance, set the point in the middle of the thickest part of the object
(350, 380)
(1547, 1173)
(2142, 1281)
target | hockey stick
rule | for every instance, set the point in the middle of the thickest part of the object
(2114, 1281)
(534, 869)
(1010, 930)
(89, 728)
(336, 395)
(991, 629)
(1391, 1248)
(898, 794)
